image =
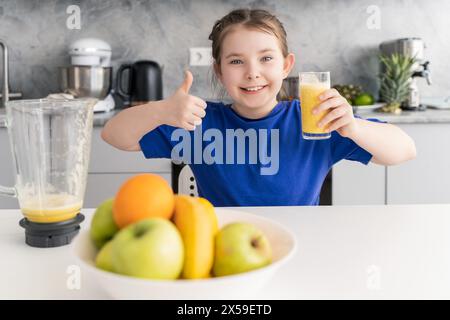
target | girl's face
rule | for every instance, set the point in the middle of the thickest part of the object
(252, 69)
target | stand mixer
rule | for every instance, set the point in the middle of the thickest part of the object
(413, 48)
(90, 74)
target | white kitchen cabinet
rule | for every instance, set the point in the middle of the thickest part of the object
(108, 168)
(425, 179)
(356, 184)
(101, 186)
(107, 159)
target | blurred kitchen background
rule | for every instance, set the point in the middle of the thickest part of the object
(340, 36)
(324, 34)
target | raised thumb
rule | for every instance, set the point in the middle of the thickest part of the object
(187, 83)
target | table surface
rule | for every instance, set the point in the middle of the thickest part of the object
(344, 252)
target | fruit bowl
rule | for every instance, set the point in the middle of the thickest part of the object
(242, 285)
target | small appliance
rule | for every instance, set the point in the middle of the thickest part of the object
(289, 89)
(50, 142)
(414, 48)
(90, 72)
(144, 82)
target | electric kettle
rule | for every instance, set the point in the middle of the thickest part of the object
(144, 82)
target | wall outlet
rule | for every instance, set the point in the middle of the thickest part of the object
(200, 56)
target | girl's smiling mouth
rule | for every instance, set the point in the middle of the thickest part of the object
(253, 90)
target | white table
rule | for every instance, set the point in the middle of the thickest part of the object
(362, 252)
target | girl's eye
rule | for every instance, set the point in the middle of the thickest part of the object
(236, 61)
(266, 59)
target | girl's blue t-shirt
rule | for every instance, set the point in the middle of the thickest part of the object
(282, 169)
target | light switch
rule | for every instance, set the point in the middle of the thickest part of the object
(200, 56)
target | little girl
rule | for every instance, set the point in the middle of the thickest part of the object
(251, 59)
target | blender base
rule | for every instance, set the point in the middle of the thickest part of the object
(50, 235)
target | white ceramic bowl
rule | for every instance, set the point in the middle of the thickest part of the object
(242, 285)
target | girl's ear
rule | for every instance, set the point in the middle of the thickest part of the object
(289, 62)
(217, 71)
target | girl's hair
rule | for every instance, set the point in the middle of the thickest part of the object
(250, 18)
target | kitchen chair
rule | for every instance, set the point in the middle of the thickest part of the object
(183, 180)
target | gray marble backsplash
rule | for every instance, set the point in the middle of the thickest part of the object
(324, 34)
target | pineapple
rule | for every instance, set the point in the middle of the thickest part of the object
(395, 81)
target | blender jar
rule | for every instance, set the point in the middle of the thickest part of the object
(50, 141)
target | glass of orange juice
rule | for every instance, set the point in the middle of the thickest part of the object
(311, 85)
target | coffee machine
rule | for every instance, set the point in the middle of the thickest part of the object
(414, 48)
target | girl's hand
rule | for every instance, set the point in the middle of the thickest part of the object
(184, 110)
(339, 115)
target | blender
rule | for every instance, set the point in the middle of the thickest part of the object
(50, 140)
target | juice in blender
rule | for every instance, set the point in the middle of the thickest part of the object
(51, 208)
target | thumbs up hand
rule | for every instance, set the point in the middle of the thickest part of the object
(185, 110)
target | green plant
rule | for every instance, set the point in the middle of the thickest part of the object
(395, 80)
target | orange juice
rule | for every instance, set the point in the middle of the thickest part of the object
(309, 98)
(50, 208)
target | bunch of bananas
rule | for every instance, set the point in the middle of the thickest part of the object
(197, 222)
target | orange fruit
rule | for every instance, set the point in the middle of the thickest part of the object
(143, 196)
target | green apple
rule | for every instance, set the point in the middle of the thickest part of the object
(103, 258)
(240, 247)
(151, 248)
(103, 227)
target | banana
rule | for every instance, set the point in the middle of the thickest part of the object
(211, 213)
(197, 222)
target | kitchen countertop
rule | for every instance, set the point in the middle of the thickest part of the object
(100, 118)
(428, 116)
(344, 252)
